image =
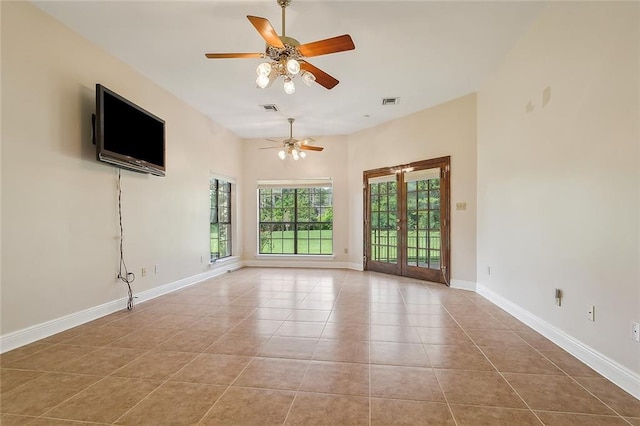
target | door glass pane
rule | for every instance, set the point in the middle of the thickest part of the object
(383, 203)
(423, 218)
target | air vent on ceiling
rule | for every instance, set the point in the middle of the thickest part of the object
(269, 107)
(390, 101)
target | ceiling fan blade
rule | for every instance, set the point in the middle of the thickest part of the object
(306, 141)
(311, 148)
(322, 78)
(324, 47)
(266, 30)
(273, 140)
(233, 55)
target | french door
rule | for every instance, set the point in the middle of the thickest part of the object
(406, 220)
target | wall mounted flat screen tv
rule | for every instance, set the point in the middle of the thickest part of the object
(127, 135)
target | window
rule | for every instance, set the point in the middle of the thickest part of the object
(220, 218)
(297, 219)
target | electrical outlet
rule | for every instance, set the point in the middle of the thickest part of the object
(144, 272)
(591, 312)
(635, 331)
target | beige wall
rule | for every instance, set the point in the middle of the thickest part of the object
(266, 165)
(558, 186)
(447, 129)
(59, 205)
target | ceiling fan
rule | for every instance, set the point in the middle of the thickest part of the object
(294, 147)
(287, 56)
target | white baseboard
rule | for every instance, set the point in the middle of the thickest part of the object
(612, 370)
(36, 332)
(355, 266)
(463, 285)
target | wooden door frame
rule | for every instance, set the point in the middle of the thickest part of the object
(444, 163)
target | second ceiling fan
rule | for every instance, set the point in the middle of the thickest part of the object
(294, 147)
(287, 55)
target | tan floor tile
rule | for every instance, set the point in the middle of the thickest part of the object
(105, 401)
(174, 404)
(97, 336)
(569, 364)
(238, 344)
(102, 361)
(43, 393)
(136, 320)
(537, 340)
(496, 338)
(215, 324)
(216, 369)
(13, 420)
(51, 358)
(190, 341)
(467, 415)
(443, 336)
(16, 354)
(146, 338)
(242, 406)
(288, 347)
(321, 305)
(342, 350)
(254, 327)
(271, 314)
(393, 333)
(412, 383)
(347, 332)
(301, 329)
(273, 373)
(179, 321)
(635, 421)
(323, 409)
(386, 412)
(155, 365)
(434, 320)
(429, 309)
(610, 394)
(65, 335)
(238, 312)
(462, 357)
(337, 377)
(520, 360)
(11, 379)
(349, 316)
(391, 318)
(47, 421)
(477, 388)
(573, 419)
(312, 315)
(555, 393)
(396, 353)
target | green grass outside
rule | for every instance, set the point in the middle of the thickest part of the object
(309, 242)
(384, 246)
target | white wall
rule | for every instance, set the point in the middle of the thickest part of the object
(447, 129)
(558, 187)
(266, 165)
(59, 205)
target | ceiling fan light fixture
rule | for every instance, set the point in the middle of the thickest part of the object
(282, 155)
(289, 86)
(293, 66)
(295, 155)
(263, 81)
(308, 78)
(303, 154)
(264, 69)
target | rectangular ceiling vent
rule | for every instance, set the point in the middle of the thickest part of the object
(390, 101)
(269, 107)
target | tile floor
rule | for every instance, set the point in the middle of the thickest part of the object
(304, 346)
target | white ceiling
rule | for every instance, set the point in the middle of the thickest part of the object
(424, 52)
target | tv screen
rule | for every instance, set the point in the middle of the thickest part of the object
(127, 135)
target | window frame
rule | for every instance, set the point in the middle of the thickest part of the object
(297, 221)
(216, 186)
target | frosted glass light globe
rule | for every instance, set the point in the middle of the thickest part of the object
(293, 66)
(308, 78)
(282, 155)
(262, 81)
(264, 69)
(289, 87)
